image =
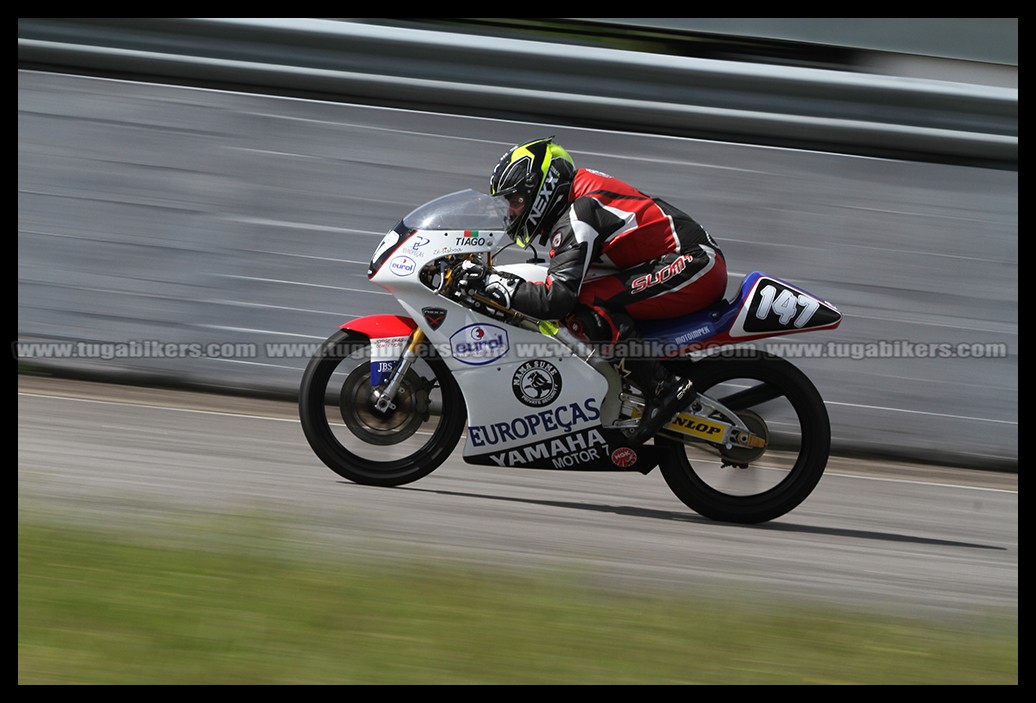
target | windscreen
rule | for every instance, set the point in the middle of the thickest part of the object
(465, 209)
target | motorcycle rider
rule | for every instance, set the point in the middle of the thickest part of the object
(661, 262)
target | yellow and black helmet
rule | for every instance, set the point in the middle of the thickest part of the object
(534, 178)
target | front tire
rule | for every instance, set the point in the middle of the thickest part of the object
(370, 448)
(771, 395)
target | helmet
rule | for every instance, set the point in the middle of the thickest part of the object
(535, 178)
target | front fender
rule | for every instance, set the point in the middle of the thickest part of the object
(388, 335)
(381, 326)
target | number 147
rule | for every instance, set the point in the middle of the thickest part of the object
(786, 305)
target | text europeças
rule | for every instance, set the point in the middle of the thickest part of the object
(562, 417)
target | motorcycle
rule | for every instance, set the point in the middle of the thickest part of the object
(387, 397)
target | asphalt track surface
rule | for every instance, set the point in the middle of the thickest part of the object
(908, 539)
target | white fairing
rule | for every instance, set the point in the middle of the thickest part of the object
(522, 388)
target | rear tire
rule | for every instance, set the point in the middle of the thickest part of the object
(774, 395)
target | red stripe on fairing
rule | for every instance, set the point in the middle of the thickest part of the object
(380, 326)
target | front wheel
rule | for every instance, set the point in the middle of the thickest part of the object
(359, 442)
(775, 400)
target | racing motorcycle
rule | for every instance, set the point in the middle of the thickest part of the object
(387, 397)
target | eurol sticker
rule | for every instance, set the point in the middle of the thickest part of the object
(402, 266)
(479, 344)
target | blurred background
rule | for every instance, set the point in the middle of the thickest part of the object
(198, 198)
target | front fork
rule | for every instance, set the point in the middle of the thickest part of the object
(384, 398)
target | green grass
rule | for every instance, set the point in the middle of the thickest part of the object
(96, 608)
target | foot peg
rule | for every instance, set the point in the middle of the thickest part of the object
(661, 407)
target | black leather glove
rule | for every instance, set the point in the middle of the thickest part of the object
(470, 277)
(475, 279)
(500, 287)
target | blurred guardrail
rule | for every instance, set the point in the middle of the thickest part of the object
(579, 86)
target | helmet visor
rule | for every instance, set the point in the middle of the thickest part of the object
(514, 220)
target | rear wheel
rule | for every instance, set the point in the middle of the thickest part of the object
(363, 444)
(775, 401)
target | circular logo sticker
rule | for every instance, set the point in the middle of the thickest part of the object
(624, 457)
(536, 383)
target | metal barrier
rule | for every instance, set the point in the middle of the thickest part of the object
(579, 86)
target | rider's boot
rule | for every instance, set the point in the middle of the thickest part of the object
(665, 394)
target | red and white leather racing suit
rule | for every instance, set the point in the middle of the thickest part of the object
(616, 252)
